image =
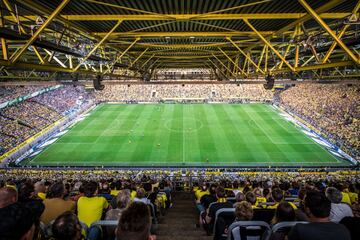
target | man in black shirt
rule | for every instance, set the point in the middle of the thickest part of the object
(219, 204)
(318, 207)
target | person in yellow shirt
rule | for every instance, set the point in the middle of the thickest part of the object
(345, 198)
(278, 196)
(115, 188)
(201, 192)
(251, 198)
(259, 197)
(90, 207)
(354, 197)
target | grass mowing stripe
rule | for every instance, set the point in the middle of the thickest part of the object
(157, 147)
(228, 130)
(210, 137)
(194, 125)
(244, 145)
(218, 132)
(268, 127)
(259, 152)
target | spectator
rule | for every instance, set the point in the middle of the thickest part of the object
(18, 221)
(318, 207)
(67, 226)
(207, 199)
(251, 198)
(219, 204)
(123, 200)
(278, 196)
(239, 197)
(339, 210)
(284, 213)
(236, 187)
(243, 211)
(90, 207)
(29, 199)
(8, 196)
(135, 223)
(203, 190)
(141, 196)
(55, 205)
(40, 190)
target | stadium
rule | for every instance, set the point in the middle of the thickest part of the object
(179, 119)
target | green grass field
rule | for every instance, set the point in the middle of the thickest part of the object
(181, 135)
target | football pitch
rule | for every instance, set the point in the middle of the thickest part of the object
(185, 135)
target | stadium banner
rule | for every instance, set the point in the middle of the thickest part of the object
(23, 98)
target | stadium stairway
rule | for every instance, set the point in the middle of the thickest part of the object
(179, 222)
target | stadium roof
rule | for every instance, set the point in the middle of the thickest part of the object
(242, 38)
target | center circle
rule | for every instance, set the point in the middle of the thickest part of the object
(177, 125)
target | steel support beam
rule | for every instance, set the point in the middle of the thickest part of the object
(227, 56)
(296, 56)
(246, 56)
(307, 17)
(21, 29)
(296, 32)
(342, 31)
(56, 59)
(3, 40)
(323, 66)
(42, 61)
(329, 31)
(307, 61)
(98, 45)
(143, 65)
(123, 53)
(183, 34)
(269, 45)
(266, 57)
(183, 17)
(261, 57)
(132, 64)
(127, 49)
(224, 65)
(39, 30)
(45, 67)
(304, 18)
(222, 72)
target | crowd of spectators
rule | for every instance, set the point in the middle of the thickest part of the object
(12, 134)
(207, 92)
(22, 120)
(331, 108)
(319, 200)
(63, 99)
(67, 201)
(68, 207)
(8, 93)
